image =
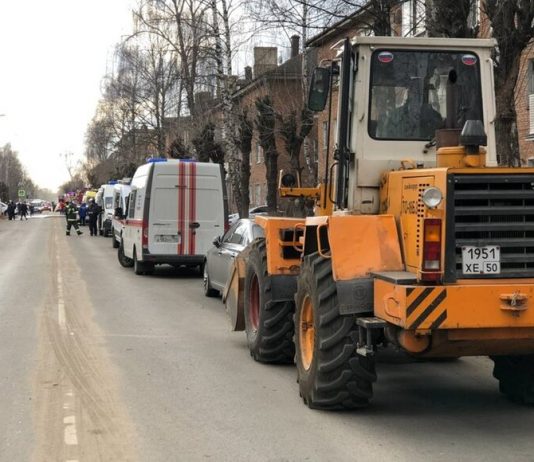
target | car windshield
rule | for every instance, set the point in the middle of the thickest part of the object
(415, 93)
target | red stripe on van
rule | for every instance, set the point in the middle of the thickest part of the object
(192, 206)
(181, 206)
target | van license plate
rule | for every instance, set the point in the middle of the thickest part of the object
(167, 238)
(481, 260)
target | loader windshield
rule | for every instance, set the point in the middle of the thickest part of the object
(415, 93)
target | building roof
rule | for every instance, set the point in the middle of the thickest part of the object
(339, 28)
(289, 70)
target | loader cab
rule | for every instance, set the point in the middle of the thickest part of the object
(397, 98)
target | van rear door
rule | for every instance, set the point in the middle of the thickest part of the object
(209, 208)
(186, 208)
(163, 233)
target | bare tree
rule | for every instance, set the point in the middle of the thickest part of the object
(207, 148)
(159, 74)
(451, 19)
(240, 166)
(294, 129)
(266, 124)
(182, 25)
(12, 173)
(512, 26)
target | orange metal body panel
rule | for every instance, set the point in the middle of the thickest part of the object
(401, 197)
(361, 244)
(276, 264)
(483, 306)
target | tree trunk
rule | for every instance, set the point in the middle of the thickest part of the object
(507, 143)
(271, 175)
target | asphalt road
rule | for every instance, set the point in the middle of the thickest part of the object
(98, 364)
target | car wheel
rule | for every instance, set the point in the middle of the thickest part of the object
(141, 267)
(123, 259)
(208, 290)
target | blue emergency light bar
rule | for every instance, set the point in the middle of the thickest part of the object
(152, 160)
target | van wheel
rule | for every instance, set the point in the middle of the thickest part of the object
(268, 323)
(141, 267)
(123, 259)
(331, 375)
(208, 290)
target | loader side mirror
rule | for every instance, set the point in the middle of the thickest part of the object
(320, 85)
(289, 180)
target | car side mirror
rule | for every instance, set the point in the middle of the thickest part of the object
(217, 241)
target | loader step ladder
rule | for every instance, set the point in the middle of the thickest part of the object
(366, 341)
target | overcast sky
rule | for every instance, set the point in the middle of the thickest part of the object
(53, 55)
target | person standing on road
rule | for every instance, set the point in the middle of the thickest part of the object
(92, 215)
(11, 208)
(83, 213)
(72, 218)
(23, 210)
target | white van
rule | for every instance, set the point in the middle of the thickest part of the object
(176, 209)
(104, 199)
(120, 204)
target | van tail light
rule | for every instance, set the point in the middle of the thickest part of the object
(431, 270)
(144, 235)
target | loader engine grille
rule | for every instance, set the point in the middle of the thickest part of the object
(491, 210)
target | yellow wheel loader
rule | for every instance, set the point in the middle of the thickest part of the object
(419, 240)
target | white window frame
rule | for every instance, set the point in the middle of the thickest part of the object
(259, 154)
(413, 18)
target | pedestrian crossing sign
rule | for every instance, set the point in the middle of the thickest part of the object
(22, 193)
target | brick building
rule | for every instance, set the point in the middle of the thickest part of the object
(283, 84)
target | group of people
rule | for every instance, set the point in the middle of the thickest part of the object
(88, 213)
(20, 207)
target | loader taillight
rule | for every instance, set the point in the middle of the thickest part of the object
(431, 270)
(144, 236)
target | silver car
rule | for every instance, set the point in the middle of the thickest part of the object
(220, 257)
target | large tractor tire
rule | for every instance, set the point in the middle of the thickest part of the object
(331, 375)
(268, 323)
(516, 377)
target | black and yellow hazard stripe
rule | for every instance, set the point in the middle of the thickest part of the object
(424, 307)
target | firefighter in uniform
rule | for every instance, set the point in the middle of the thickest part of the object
(72, 219)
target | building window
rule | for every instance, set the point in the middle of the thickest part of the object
(530, 76)
(530, 90)
(413, 18)
(325, 136)
(259, 154)
(257, 194)
(473, 20)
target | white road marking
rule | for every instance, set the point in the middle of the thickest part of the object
(71, 438)
(61, 318)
